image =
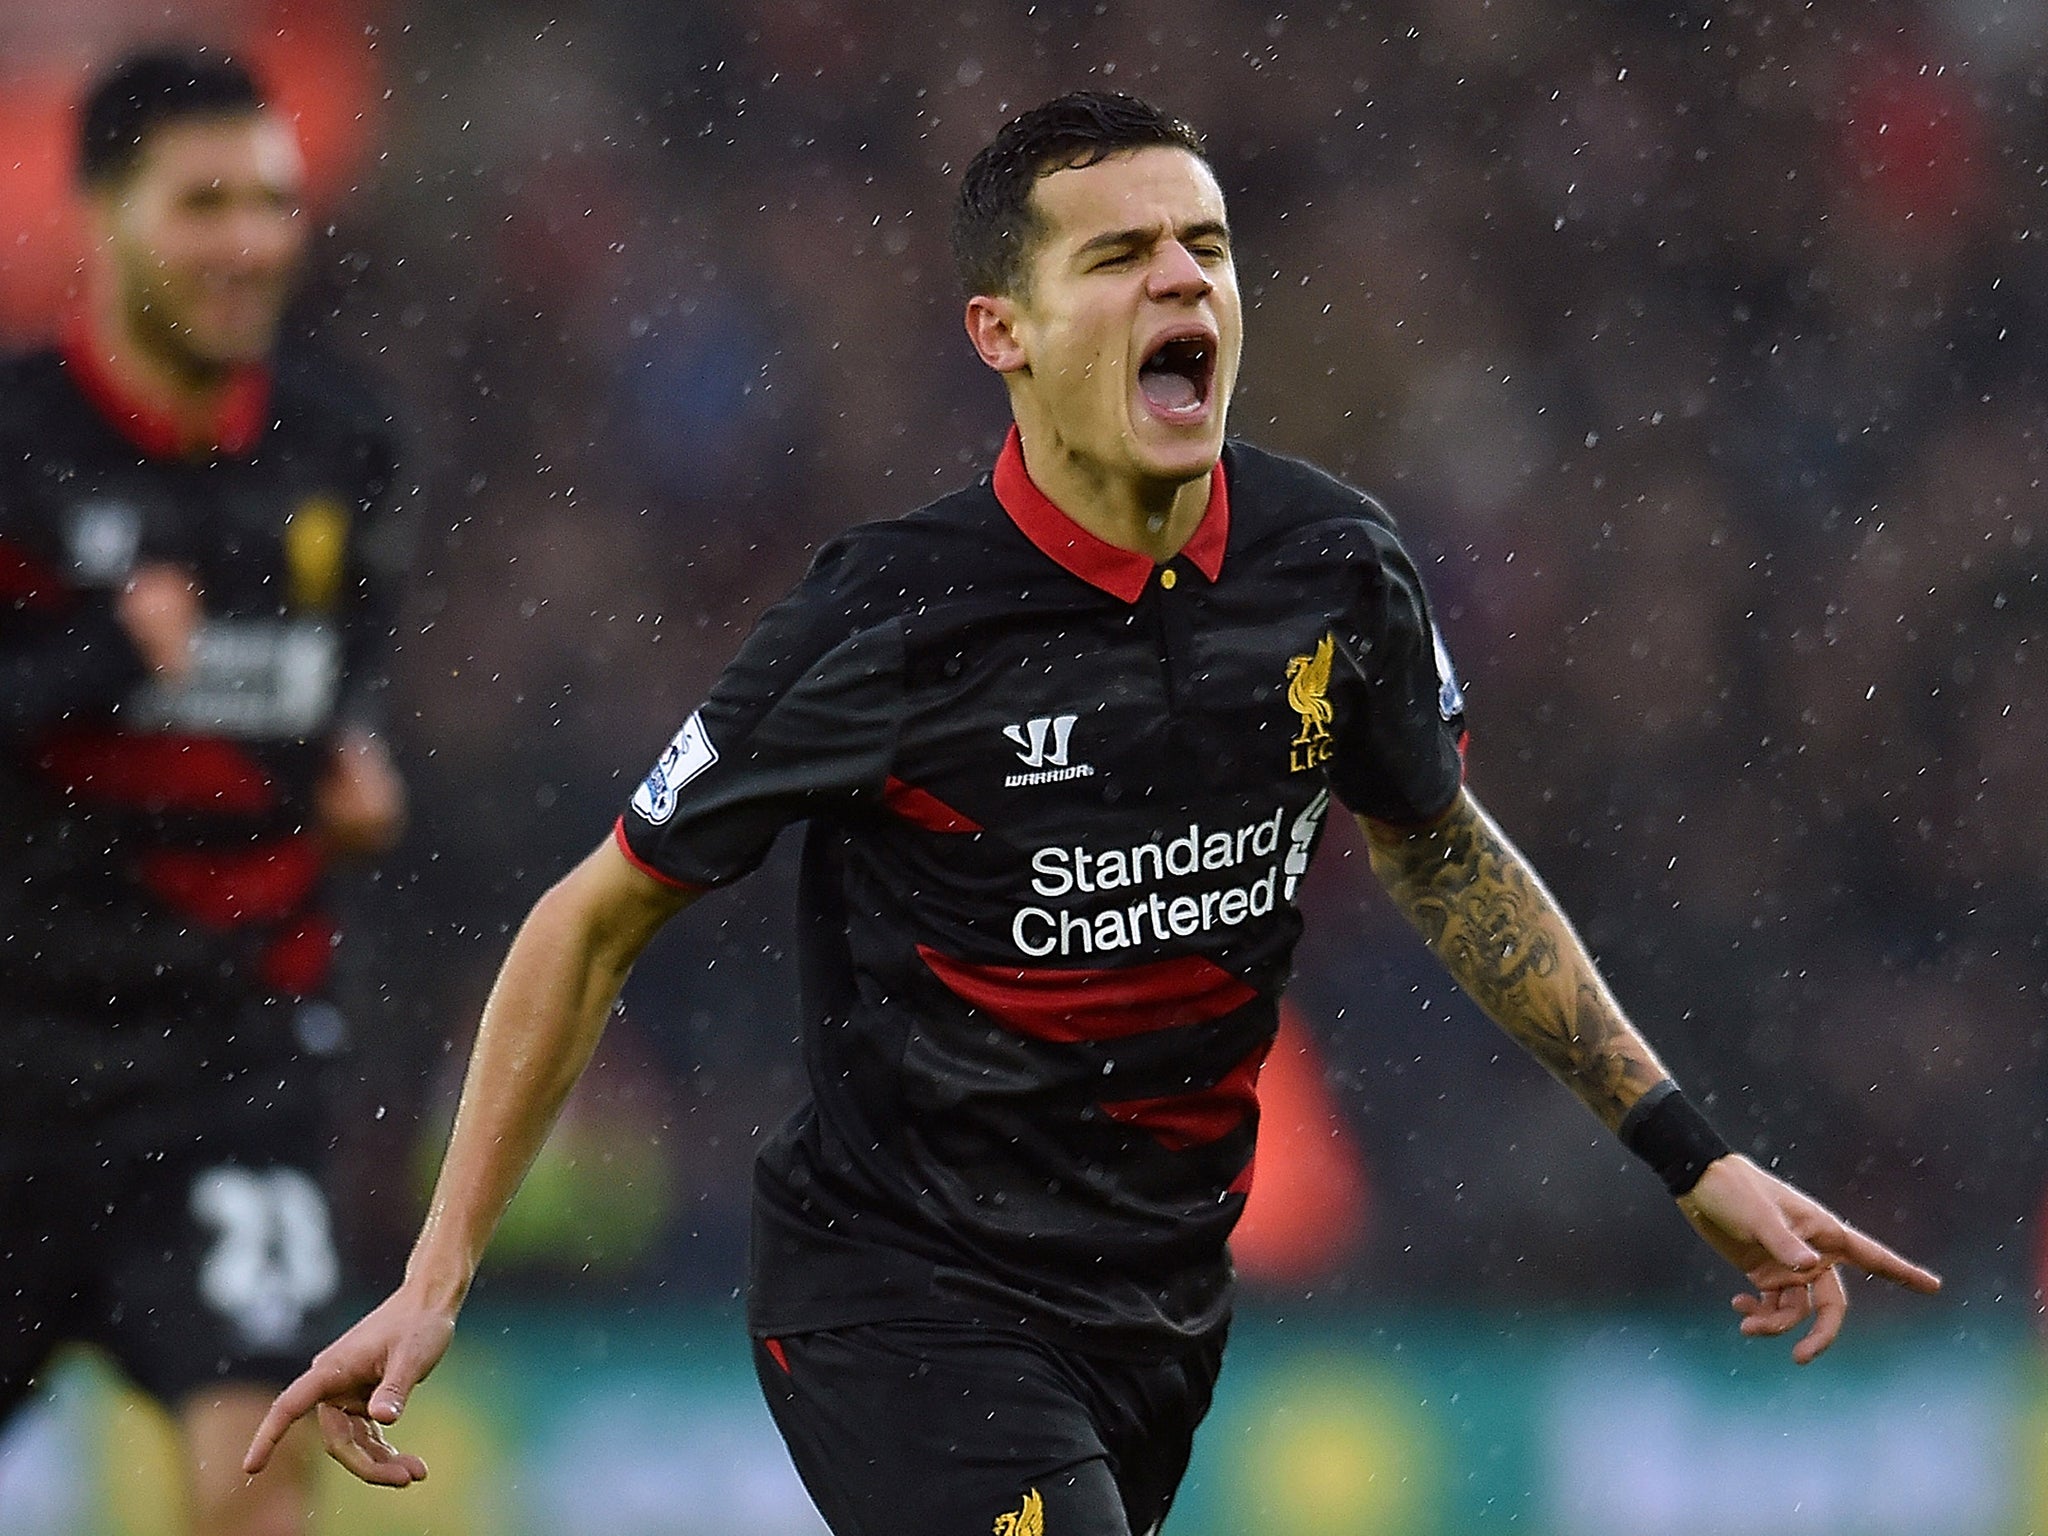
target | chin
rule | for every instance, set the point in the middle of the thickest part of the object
(1181, 461)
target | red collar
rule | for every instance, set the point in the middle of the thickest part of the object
(1122, 573)
(238, 419)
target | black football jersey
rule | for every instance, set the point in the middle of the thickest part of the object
(157, 856)
(1060, 801)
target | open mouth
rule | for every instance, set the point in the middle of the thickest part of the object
(1176, 376)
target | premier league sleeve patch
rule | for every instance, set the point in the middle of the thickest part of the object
(688, 755)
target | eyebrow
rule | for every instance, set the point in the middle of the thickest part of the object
(1112, 239)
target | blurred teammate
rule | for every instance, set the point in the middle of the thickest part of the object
(198, 558)
(1065, 742)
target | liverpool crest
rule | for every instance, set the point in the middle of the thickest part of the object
(1308, 688)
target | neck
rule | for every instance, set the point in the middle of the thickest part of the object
(1154, 518)
(187, 389)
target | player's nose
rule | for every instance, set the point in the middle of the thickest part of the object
(1176, 274)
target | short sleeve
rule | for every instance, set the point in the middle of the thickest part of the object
(1398, 727)
(804, 721)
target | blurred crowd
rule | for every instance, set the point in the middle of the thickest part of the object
(1696, 347)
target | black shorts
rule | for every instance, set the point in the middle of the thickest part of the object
(939, 1429)
(192, 1260)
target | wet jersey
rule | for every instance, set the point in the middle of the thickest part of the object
(1059, 804)
(156, 852)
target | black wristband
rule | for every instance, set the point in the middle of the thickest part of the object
(1667, 1132)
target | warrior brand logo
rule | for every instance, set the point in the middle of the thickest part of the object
(1030, 738)
(1042, 744)
(688, 755)
(1308, 687)
(1028, 1521)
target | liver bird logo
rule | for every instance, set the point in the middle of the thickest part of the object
(1028, 1521)
(1308, 688)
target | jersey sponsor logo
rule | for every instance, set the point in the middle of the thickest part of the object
(1450, 698)
(251, 678)
(1308, 688)
(1150, 916)
(102, 539)
(315, 546)
(1028, 1521)
(686, 756)
(1042, 745)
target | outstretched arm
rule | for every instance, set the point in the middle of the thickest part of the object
(545, 1014)
(1502, 937)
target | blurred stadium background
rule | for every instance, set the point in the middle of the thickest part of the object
(1698, 347)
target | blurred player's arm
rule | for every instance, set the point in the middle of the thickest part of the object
(1503, 938)
(67, 650)
(543, 1019)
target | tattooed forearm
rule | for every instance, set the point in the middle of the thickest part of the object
(1496, 929)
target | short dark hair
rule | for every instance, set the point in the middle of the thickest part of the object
(995, 224)
(144, 91)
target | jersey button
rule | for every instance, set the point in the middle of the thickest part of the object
(1167, 578)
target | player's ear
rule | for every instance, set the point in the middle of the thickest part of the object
(992, 327)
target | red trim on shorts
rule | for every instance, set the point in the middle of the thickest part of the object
(922, 808)
(235, 423)
(1069, 1006)
(647, 869)
(1122, 573)
(774, 1348)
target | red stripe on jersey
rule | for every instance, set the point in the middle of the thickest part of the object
(297, 961)
(922, 808)
(1182, 1120)
(25, 581)
(1067, 1006)
(156, 772)
(647, 869)
(225, 888)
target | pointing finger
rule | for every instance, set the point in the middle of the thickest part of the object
(1873, 1257)
(289, 1406)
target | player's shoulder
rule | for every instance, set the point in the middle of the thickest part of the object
(1275, 495)
(905, 563)
(316, 387)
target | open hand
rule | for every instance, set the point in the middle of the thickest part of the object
(359, 1385)
(1792, 1248)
